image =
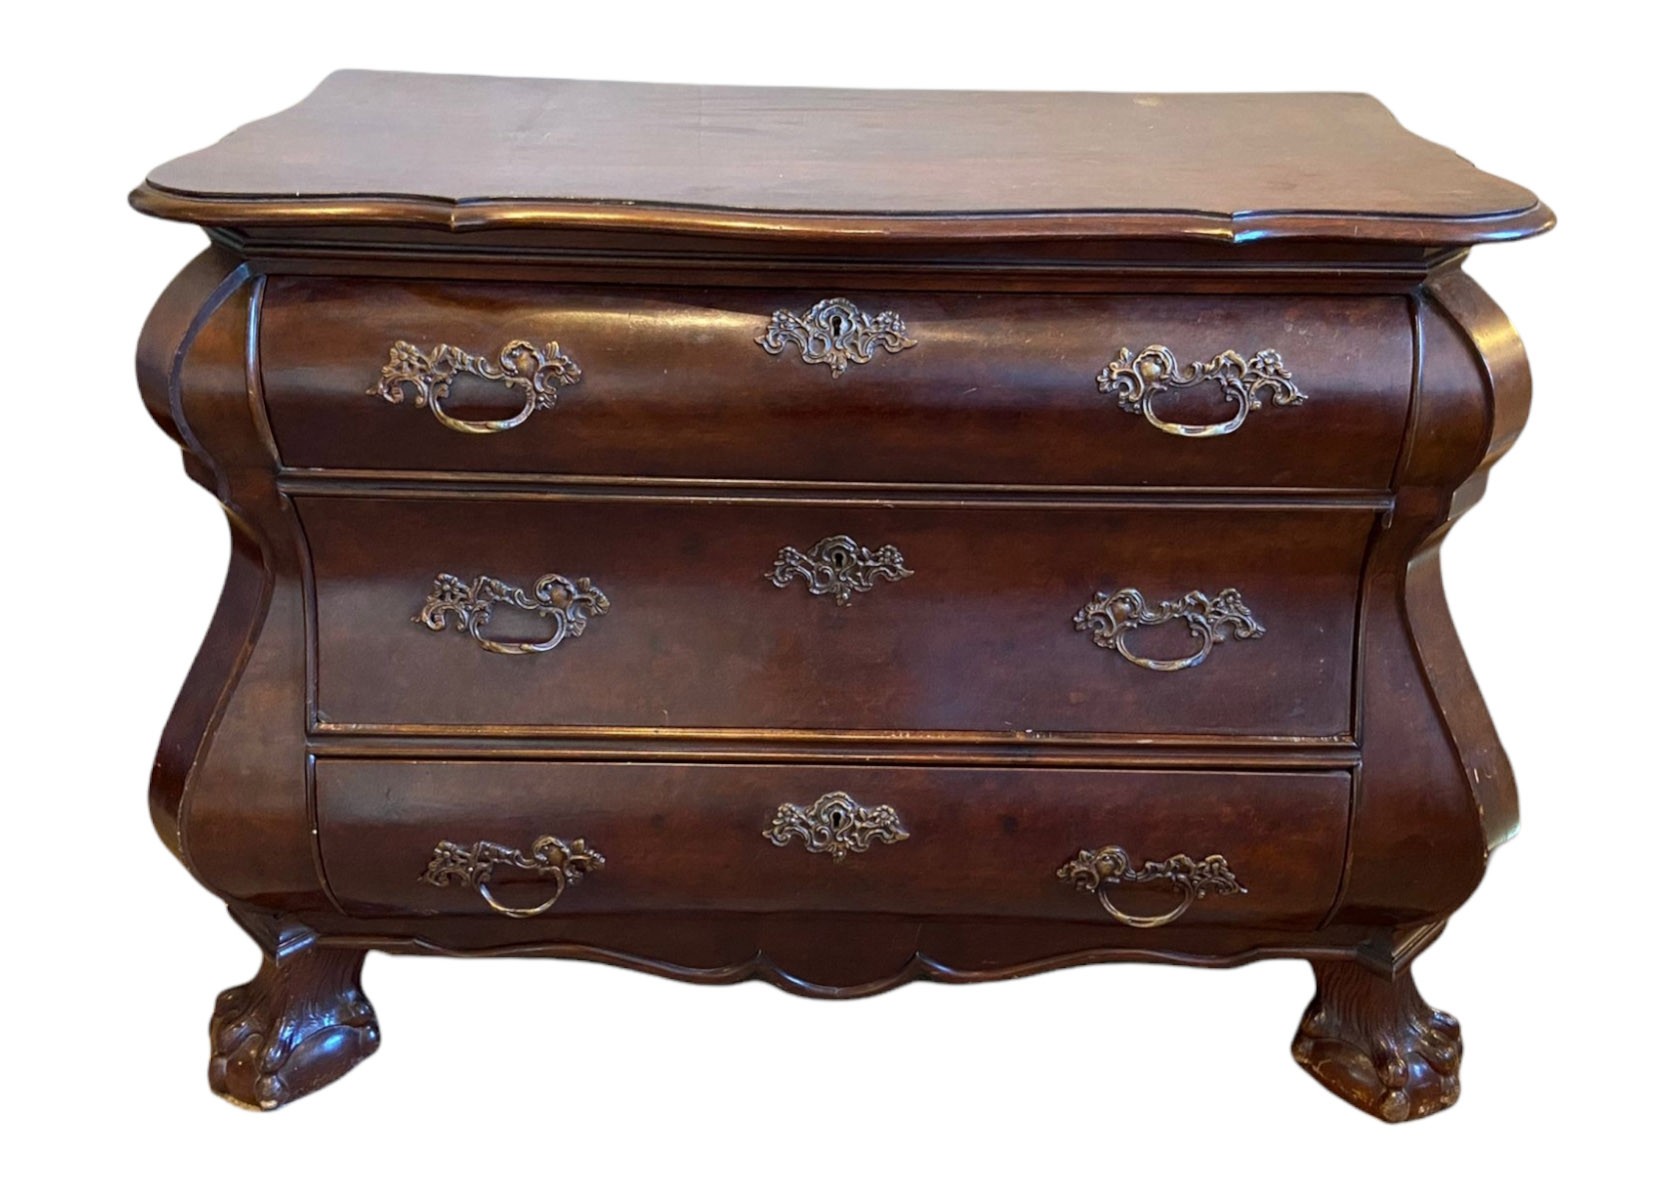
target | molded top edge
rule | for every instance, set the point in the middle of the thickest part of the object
(460, 153)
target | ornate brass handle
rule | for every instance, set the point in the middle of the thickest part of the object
(835, 332)
(835, 824)
(564, 861)
(1094, 870)
(838, 566)
(537, 372)
(569, 603)
(1136, 379)
(1210, 620)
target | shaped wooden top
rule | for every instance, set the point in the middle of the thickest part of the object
(454, 152)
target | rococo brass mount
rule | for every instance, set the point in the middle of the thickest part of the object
(569, 603)
(1112, 617)
(838, 566)
(1138, 379)
(535, 372)
(1094, 870)
(564, 861)
(837, 825)
(836, 333)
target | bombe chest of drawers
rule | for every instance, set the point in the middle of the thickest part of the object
(835, 537)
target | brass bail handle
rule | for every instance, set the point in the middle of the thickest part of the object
(1137, 379)
(1094, 871)
(537, 372)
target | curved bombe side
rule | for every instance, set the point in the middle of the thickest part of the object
(231, 763)
(1437, 793)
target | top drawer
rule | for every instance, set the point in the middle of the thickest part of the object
(973, 387)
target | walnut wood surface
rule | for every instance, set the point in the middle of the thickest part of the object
(674, 384)
(980, 843)
(979, 638)
(1343, 764)
(299, 1024)
(1370, 1038)
(460, 151)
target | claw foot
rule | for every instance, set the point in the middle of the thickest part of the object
(301, 1024)
(1371, 1039)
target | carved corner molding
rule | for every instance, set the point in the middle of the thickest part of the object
(838, 567)
(472, 604)
(835, 824)
(1112, 617)
(1138, 379)
(566, 862)
(835, 332)
(1093, 870)
(535, 372)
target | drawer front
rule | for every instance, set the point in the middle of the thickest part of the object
(530, 839)
(986, 388)
(694, 616)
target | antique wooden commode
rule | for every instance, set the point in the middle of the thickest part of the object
(837, 537)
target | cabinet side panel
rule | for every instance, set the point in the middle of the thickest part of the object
(1437, 793)
(230, 792)
(169, 335)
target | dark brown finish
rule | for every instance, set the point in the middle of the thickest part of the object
(298, 1025)
(980, 638)
(870, 561)
(1006, 384)
(412, 149)
(1370, 1038)
(980, 843)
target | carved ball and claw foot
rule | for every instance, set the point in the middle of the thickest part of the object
(299, 1025)
(1371, 1039)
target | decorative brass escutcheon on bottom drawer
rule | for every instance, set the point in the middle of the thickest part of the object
(932, 841)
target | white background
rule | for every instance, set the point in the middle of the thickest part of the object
(530, 1071)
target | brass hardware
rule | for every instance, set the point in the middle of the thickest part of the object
(836, 824)
(1210, 620)
(838, 566)
(1136, 379)
(1094, 870)
(537, 372)
(569, 603)
(564, 861)
(836, 333)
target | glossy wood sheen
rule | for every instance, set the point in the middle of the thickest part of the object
(980, 637)
(674, 384)
(1342, 763)
(412, 148)
(984, 843)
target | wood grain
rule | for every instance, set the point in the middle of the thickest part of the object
(462, 152)
(1342, 764)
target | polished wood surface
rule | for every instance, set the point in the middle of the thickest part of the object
(979, 842)
(674, 385)
(478, 152)
(672, 782)
(980, 637)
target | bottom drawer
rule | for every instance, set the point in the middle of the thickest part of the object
(529, 838)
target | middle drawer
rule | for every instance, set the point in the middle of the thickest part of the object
(615, 612)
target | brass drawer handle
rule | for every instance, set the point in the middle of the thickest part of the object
(1094, 870)
(1210, 620)
(536, 372)
(564, 861)
(835, 824)
(1136, 379)
(838, 566)
(569, 603)
(835, 332)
